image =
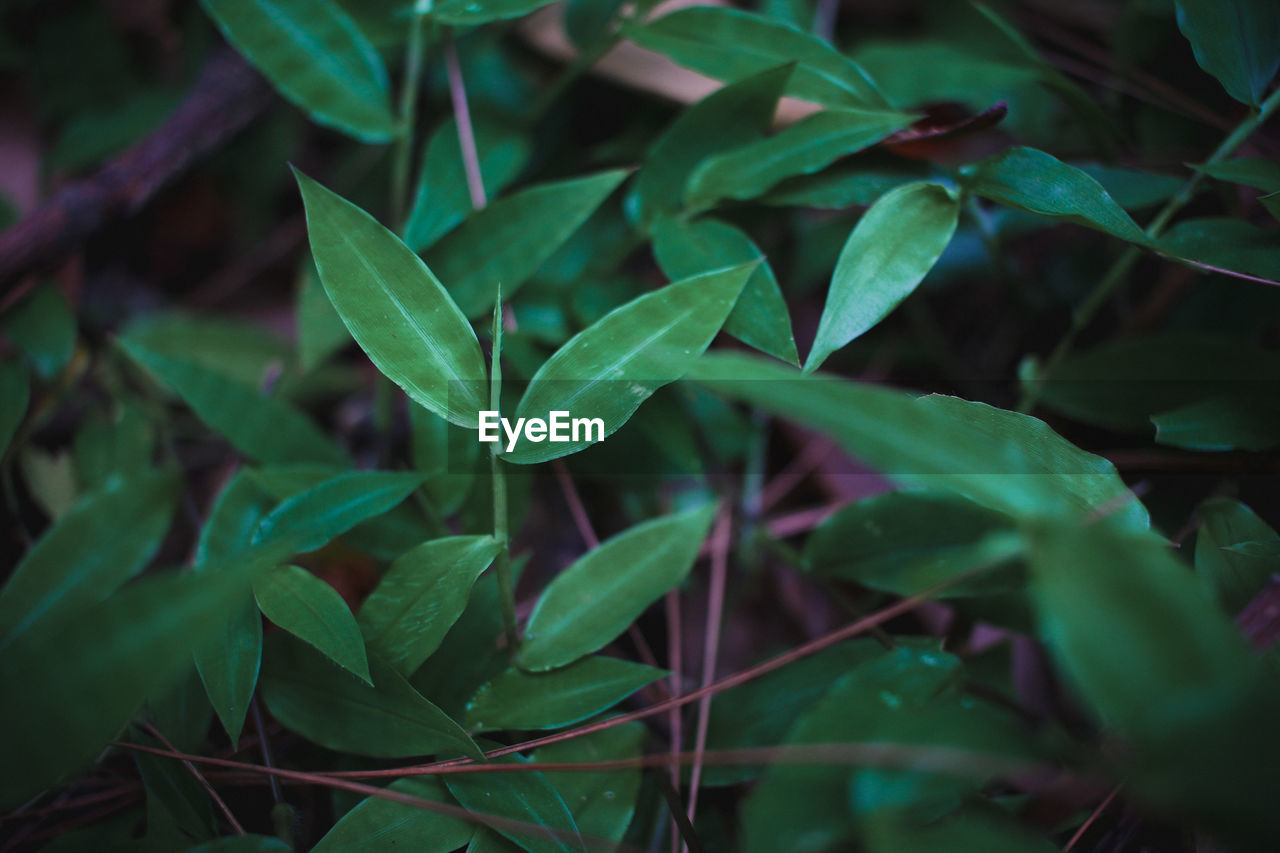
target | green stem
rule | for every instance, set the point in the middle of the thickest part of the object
(1119, 271)
(502, 563)
(408, 113)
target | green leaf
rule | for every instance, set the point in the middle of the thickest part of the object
(379, 825)
(729, 44)
(686, 248)
(228, 664)
(890, 251)
(1255, 172)
(243, 844)
(841, 187)
(421, 596)
(175, 800)
(811, 144)
(447, 455)
(311, 610)
(1226, 422)
(104, 540)
(475, 12)
(107, 658)
(976, 450)
(521, 700)
(1222, 244)
(587, 20)
(605, 590)
(337, 710)
(607, 370)
(1133, 189)
(602, 803)
(507, 241)
(316, 57)
(905, 542)
(523, 796)
(308, 520)
(1233, 578)
(263, 428)
(1237, 41)
(15, 394)
(115, 446)
(394, 306)
(442, 199)
(1039, 183)
(243, 352)
(43, 326)
(733, 115)
(50, 479)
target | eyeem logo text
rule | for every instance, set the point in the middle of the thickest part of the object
(559, 429)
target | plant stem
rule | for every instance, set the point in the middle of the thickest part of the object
(462, 115)
(1119, 271)
(408, 112)
(502, 563)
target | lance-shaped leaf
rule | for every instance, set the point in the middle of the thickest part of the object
(119, 445)
(15, 393)
(107, 659)
(378, 825)
(729, 44)
(311, 610)
(807, 146)
(526, 797)
(1233, 578)
(421, 596)
(516, 699)
(475, 12)
(242, 351)
(1237, 41)
(263, 428)
(602, 803)
(596, 598)
(1042, 184)
(335, 709)
(1004, 460)
(442, 199)
(394, 307)
(892, 248)
(308, 520)
(507, 241)
(607, 370)
(1254, 172)
(760, 317)
(728, 117)
(104, 540)
(317, 57)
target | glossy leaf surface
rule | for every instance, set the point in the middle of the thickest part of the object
(311, 610)
(310, 519)
(1237, 41)
(377, 825)
(516, 699)
(596, 598)
(525, 797)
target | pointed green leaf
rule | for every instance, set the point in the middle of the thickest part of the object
(243, 844)
(507, 241)
(1039, 183)
(241, 351)
(115, 446)
(104, 540)
(443, 199)
(729, 44)
(394, 306)
(263, 428)
(809, 145)
(602, 803)
(1232, 577)
(378, 825)
(316, 57)
(310, 519)
(1255, 172)
(605, 590)
(516, 699)
(905, 542)
(526, 797)
(420, 597)
(337, 710)
(475, 12)
(1006, 461)
(607, 370)
(1237, 41)
(890, 251)
(731, 116)
(1225, 422)
(1223, 244)
(228, 664)
(74, 680)
(687, 248)
(15, 393)
(43, 326)
(311, 610)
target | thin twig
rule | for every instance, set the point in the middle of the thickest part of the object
(265, 745)
(462, 114)
(204, 783)
(675, 719)
(1084, 827)
(576, 508)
